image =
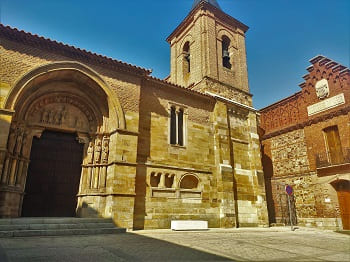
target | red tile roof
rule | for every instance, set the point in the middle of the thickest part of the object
(47, 44)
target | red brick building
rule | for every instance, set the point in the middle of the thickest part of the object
(306, 144)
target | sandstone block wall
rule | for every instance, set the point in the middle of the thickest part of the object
(205, 37)
(142, 181)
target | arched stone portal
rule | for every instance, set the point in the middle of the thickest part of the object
(64, 98)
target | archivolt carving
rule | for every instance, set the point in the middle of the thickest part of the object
(62, 110)
(96, 164)
(105, 150)
(17, 158)
(98, 149)
(53, 71)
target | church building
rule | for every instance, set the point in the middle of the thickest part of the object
(84, 135)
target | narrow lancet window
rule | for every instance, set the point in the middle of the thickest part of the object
(173, 126)
(186, 59)
(177, 124)
(180, 128)
(225, 52)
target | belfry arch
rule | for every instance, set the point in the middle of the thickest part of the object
(63, 98)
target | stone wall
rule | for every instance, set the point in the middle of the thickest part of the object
(290, 163)
(204, 34)
(239, 148)
(289, 154)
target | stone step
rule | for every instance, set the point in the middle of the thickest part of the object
(22, 227)
(54, 226)
(61, 232)
(52, 220)
(277, 225)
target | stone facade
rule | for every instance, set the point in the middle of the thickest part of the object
(305, 143)
(121, 115)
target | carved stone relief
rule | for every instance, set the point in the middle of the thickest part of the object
(322, 89)
(63, 111)
(95, 170)
(90, 153)
(105, 150)
(98, 149)
(17, 158)
(65, 116)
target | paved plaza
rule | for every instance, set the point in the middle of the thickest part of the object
(246, 244)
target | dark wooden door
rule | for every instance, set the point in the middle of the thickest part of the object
(53, 176)
(334, 145)
(344, 206)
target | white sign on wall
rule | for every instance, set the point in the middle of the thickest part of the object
(326, 104)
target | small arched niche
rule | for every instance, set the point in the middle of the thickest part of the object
(189, 181)
(154, 179)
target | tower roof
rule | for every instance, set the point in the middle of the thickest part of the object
(212, 2)
(212, 6)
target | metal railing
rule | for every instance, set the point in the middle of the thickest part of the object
(327, 159)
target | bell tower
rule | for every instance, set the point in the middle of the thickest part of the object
(208, 52)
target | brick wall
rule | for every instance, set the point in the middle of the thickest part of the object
(291, 139)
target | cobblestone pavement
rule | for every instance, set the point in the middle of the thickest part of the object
(246, 244)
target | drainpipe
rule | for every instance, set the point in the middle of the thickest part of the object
(232, 162)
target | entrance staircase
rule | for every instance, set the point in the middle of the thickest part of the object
(25, 227)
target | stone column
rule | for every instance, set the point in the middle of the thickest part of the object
(177, 124)
(162, 181)
(5, 123)
(174, 181)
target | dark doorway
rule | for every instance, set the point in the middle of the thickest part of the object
(53, 176)
(343, 191)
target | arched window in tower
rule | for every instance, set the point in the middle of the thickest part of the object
(225, 52)
(186, 58)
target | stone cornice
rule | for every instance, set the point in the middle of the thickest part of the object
(208, 78)
(186, 169)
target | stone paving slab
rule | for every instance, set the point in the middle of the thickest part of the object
(259, 244)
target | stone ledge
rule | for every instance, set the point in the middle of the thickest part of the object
(183, 225)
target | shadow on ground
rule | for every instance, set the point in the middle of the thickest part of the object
(118, 247)
(346, 232)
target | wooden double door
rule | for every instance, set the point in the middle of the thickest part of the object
(53, 176)
(343, 191)
(335, 153)
(344, 206)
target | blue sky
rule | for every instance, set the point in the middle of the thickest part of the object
(283, 34)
